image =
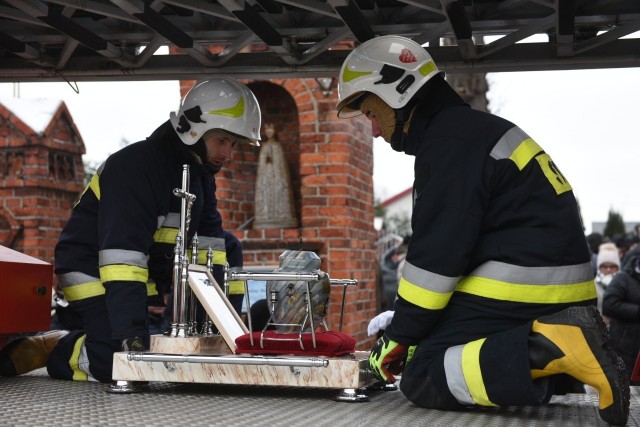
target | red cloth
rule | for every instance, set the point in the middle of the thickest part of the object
(328, 343)
(635, 374)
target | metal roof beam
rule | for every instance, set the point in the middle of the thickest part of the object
(24, 50)
(69, 27)
(146, 14)
(353, 18)
(565, 27)
(461, 26)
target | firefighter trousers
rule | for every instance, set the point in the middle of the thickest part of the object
(478, 354)
(86, 355)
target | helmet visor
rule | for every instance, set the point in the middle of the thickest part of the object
(350, 106)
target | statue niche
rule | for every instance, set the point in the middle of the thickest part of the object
(274, 206)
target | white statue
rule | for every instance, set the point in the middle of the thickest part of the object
(274, 196)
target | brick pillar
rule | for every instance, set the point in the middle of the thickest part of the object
(41, 177)
(331, 163)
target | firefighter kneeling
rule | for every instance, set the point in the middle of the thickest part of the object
(496, 304)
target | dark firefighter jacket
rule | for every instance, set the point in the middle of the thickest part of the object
(121, 234)
(494, 219)
(621, 303)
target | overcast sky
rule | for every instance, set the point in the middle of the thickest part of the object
(587, 120)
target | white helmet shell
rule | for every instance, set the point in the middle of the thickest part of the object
(392, 67)
(218, 103)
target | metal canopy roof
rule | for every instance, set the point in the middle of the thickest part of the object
(102, 40)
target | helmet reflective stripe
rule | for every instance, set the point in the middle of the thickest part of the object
(218, 103)
(348, 75)
(235, 111)
(392, 67)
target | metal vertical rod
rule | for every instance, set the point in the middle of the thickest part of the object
(184, 277)
(207, 326)
(226, 279)
(177, 265)
(193, 302)
(182, 323)
(344, 297)
(247, 299)
(310, 312)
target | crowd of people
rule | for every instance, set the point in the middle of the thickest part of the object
(617, 277)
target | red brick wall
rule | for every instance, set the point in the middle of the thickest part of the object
(41, 177)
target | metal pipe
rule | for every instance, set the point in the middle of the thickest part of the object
(180, 288)
(343, 282)
(177, 266)
(274, 276)
(193, 301)
(230, 360)
(184, 277)
(183, 207)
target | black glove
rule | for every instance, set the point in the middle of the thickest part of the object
(388, 358)
(133, 344)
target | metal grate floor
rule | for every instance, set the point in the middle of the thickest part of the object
(37, 400)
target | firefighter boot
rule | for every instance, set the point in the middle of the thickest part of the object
(575, 342)
(27, 354)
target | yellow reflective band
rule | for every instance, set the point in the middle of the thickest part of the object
(526, 151)
(235, 111)
(202, 257)
(219, 257)
(473, 374)
(427, 68)
(236, 287)
(553, 174)
(74, 361)
(94, 185)
(165, 235)
(348, 75)
(151, 289)
(83, 291)
(534, 294)
(110, 273)
(423, 297)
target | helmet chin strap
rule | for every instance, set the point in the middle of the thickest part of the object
(402, 115)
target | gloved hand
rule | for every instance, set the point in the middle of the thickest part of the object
(387, 358)
(133, 344)
(381, 321)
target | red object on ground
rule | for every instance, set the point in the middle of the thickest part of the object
(635, 374)
(25, 294)
(328, 343)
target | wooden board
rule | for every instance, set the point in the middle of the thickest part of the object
(216, 304)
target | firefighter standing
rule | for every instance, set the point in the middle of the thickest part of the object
(496, 296)
(115, 254)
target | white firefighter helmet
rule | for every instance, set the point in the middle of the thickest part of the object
(218, 103)
(392, 67)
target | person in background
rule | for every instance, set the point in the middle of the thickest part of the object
(621, 304)
(634, 249)
(608, 263)
(497, 298)
(114, 257)
(594, 240)
(389, 264)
